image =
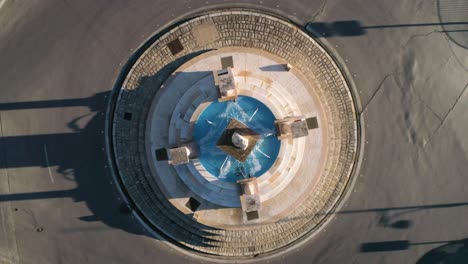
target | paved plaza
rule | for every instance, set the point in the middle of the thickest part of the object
(105, 121)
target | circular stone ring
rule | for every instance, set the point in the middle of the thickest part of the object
(234, 133)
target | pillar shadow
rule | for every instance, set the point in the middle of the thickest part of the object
(457, 31)
(349, 28)
(78, 156)
(452, 252)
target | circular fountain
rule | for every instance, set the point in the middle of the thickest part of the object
(213, 121)
(234, 173)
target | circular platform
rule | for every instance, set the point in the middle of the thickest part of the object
(169, 98)
(210, 126)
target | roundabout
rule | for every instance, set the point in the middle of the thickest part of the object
(130, 131)
(183, 98)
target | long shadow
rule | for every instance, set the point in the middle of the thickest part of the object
(95, 103)
(453, 252)
(411, 207)
(349, 28)
(77, 156)
(456, 31)
(396, 245)
(391, 216)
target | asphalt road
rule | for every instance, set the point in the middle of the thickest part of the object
(60, 59)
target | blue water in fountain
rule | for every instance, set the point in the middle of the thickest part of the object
(211, 124)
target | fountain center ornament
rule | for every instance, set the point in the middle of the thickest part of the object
(213, 133)
(238, 140)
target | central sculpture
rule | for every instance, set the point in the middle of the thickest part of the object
(237, 140)
(240, 141)
(235, 134)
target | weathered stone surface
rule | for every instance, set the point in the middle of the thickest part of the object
(234, 29)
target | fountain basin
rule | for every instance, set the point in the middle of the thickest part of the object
(213, 121)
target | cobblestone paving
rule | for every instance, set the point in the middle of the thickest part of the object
(214, 31)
